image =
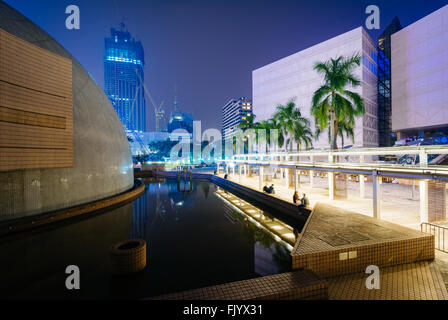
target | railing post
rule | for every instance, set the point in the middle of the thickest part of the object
(423, 184)
(362, 192)
(423, 158)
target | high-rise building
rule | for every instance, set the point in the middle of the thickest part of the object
(385, 135)
(233, 113)
(294, 77)
(420, 77)
(124, 78)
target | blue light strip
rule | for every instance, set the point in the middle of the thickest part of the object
(126, 60)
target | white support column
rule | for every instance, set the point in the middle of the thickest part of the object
(260, 178)
(287, 177)
(331, 185)
(423, 158)
(311, 178)
(295, 179)
(311, 172)
(239, 172)
(331, 182)
(424, 214)
(217, 168)
(362, 186)
(376, 185)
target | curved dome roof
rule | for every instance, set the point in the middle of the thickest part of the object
(102, 158)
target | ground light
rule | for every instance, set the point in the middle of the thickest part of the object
(279, 230)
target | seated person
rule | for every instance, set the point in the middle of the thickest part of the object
(304, 202)
(295, 197)
(225, 176)
(271, 189)
(266, 189)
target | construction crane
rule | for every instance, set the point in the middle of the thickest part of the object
(137, 138)
(159, 113)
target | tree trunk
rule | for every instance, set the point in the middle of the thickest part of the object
(333, 131)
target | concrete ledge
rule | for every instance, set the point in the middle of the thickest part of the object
(298, 285)
(26, 223)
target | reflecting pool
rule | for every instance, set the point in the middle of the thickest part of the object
(194, 239)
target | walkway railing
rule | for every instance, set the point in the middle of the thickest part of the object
(440, 235)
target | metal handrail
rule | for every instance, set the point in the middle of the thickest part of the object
(439, 234)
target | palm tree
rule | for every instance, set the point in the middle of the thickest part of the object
(302, 134)
(247, 122)
(344, 127)
(332, 103)
(265, 125)
(292, 124)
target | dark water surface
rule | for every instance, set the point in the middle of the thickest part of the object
(194, 239)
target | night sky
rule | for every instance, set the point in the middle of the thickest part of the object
(209, 48)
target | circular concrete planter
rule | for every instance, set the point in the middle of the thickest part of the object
(128, 256)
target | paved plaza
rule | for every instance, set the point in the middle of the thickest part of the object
(399, 204)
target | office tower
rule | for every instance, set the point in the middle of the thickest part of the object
(233, 113)
(124, 78)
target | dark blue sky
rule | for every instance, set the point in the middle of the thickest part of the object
(209, 48)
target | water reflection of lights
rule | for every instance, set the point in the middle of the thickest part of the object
(180, 203)
(278, 229)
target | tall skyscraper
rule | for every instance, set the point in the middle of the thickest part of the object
(385, 137)
(124, 78)
(233, 113)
